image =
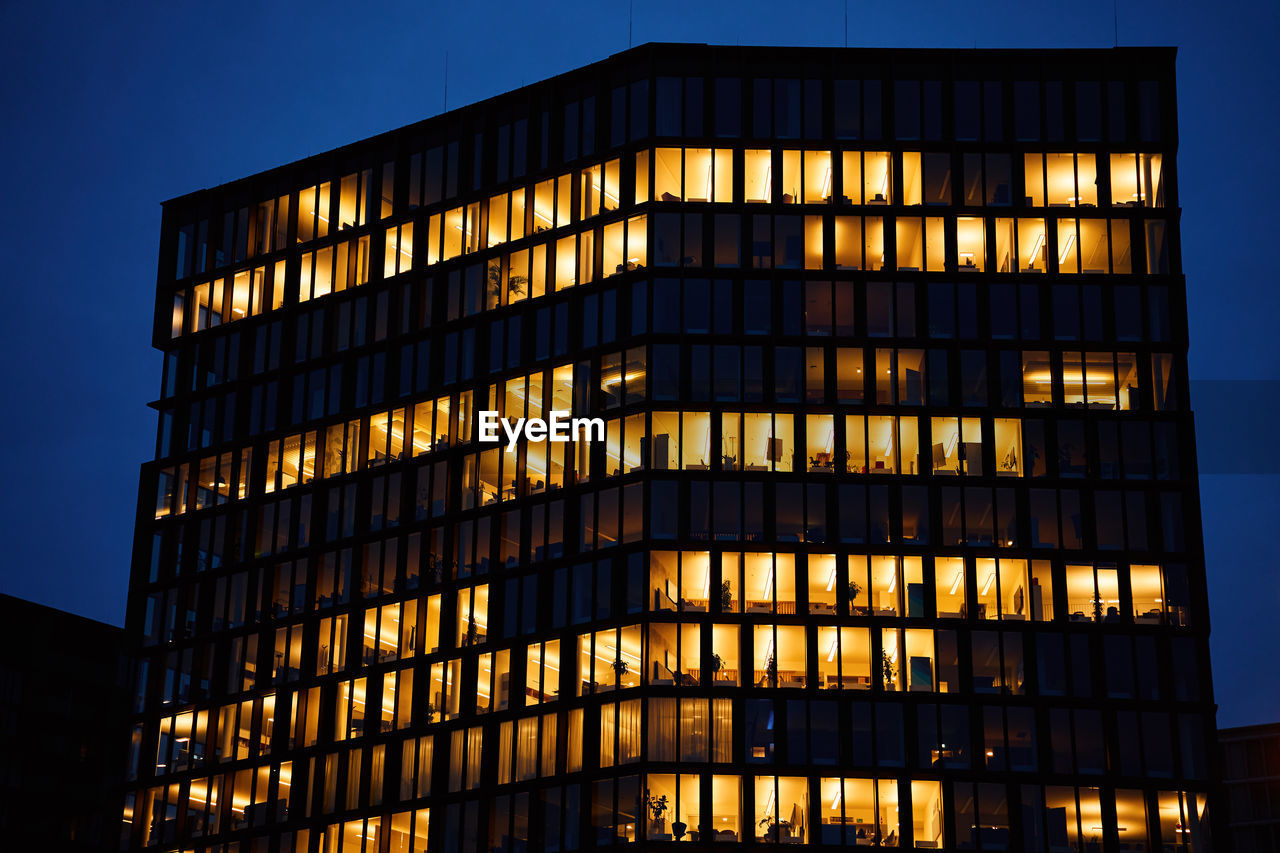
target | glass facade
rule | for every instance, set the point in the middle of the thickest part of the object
(891, 536)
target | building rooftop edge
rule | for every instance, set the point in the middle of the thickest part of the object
(1252, 730)
(876, 53)
(13, 601)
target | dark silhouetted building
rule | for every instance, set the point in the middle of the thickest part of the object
(890, 533)
(63, 712)
(1251, 779)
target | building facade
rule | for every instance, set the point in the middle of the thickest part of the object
(63, 705)
(890, 536)
(1251, 784)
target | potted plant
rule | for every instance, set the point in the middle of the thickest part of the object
(775, 830)
(855, 589)
(515, 283)
(473, 634)
(887, 669)
(771, 670)
(658, 808)
(620, 667)
(726, 597)
(717, 664)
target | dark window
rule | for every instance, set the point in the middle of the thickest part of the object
(1066, 312)
(639, 109)
(1054, 111)
(879, 309)
(852, 504)
(757, 310)
(693, 106)
(617, 116)
(906, 109)
(1128, 312)
(697, 306)
(872, 110)
(787, 109)
(936, 182)
(992, 111)
(728, 107)
(1088, 111)
(932, 124)
(812, 109)
(788, 375)
(1029, 304)
(973, 378)
(759, 730)
(939, 377)
(968, 110)
(588, 126)
(824, 732)
(666, 371)
(722, 307)
(762, 108)
(1004, 311)
(1115, 111)
(1149, 111)
(847, 108)
(889, 735)
(663, 509)
(571, 131)
(1026, 110)
(668, 106)
(999, 180)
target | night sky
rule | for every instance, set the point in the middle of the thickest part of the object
(112, 108)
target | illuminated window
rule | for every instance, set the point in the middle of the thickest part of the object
(1093, 594)
(1037, 379)
(780, 653)
(758, 176)
(971, 243)
(957, 446)
(609, 660)
(1137, 180)
(844, 658)
(782, 809)
(768, 582)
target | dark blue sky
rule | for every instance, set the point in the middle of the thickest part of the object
(112, 108)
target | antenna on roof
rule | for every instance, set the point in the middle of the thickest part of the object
(846, 23)
(1115, 20)
(446, 81)
(631, 6)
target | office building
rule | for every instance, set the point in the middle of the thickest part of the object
(63, 707)
(891, 535)
(1251, 782)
